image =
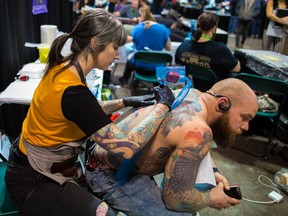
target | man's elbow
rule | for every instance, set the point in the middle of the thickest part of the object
(168, 45)
(237, 68)
(170, 204)
(178, 205)
(168, 48)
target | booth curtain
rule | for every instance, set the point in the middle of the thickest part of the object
(18, 25)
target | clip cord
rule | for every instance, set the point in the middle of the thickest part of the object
(182, 94)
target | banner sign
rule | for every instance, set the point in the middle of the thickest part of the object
(39, 6)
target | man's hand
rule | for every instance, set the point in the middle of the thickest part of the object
(138, 101)
(220, 178)
(219, 200)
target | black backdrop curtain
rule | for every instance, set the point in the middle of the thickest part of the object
(18, 25)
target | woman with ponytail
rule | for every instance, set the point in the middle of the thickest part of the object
(43, 170)
(203, 51)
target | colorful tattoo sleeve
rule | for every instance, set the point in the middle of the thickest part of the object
(111, 106)
(126, 144)
(181, 171)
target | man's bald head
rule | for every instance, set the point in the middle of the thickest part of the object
(244, 107)
(236, 90)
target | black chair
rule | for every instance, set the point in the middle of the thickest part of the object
(203, 78)
(275, 89)
(192, 13)
(143, 76)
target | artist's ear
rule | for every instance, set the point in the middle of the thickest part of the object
(92, 46)
(93, 43)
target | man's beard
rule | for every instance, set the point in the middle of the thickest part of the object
(223, 134)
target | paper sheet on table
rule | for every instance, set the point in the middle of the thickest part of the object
(20, 92)
(33, 70)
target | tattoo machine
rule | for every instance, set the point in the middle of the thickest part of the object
(174, 75)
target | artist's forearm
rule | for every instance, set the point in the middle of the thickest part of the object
(189, 201)
(112, 106)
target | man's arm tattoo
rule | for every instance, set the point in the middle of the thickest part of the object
(111, 138)
(179, 192)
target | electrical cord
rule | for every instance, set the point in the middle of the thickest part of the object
(273, 187)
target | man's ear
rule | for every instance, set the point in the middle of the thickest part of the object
(223, 105)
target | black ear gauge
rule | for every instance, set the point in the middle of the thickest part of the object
(224, 107)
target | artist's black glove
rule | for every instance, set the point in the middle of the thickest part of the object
(138, 101)
(164, 95)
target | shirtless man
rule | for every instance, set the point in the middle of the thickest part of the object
(177, 149)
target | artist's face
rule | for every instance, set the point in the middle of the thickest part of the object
(107, 57)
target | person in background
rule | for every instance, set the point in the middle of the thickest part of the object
(130, 11)
(172, 19)
(177, 149)
(42, 170)
(111, 6)
(256, 27)
(157, 6)
(119, 5)
(274, 41)
(233, 18)
(246, 10)
(203, 51)
(173, 12)
(147, 35)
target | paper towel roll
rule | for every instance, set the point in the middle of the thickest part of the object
(48, 33)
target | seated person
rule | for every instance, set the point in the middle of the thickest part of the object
(172, 19)
(130, 11)
(147, 35)
(183, 140)
(119, 5)
(203, 51)
(157, 6)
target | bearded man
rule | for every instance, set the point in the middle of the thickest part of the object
(182, 142)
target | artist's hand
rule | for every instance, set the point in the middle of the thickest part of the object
(220, 178)
(164, 95)
(138, 101)
(219, 200)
